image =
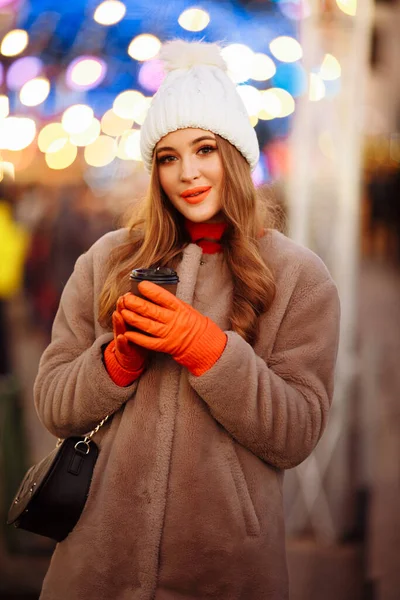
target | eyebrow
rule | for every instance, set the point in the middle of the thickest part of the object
(192, 143)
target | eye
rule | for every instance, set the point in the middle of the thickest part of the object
(206, 149)
(167, 158)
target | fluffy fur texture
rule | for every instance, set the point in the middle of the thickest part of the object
(179, 54)
(186, 498)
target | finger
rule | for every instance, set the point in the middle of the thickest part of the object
(159, 295)
(145, 341)
(118, 323)
(147, 309)
(122, 344)
(148, 325)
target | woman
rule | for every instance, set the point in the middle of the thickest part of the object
(229, 384)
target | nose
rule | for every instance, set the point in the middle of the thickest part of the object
(189, 169)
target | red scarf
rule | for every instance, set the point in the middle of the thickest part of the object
(206, 235)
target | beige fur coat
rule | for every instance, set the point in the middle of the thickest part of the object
(186, 498)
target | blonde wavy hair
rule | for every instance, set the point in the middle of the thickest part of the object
(157, 238)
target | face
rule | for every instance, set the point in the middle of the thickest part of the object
(191, 172)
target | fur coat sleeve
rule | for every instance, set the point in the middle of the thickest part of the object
(73, 391)
(276, 405)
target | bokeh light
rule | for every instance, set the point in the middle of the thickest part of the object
(109, 12)
(50, 135)
(286, 100)
(194, 19)
(112, 124)
(85, 72)
(270, 106)
(88, 135)
(349, 7)
(14, 42)
(151, 75)
(23, 70)
(4, 106)
(262, 67)
(130, 104)
(35, 91)
(317, 88)
(102, 152)
(129, 146)
(251, 99)
(77, 118)
(144, 47)
(286, 49)
(63, 158)
(17, 133)
(330, 68)
(239, 59)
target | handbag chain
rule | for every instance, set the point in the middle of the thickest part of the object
(87, 438)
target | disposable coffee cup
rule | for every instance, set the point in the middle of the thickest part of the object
(163, 276)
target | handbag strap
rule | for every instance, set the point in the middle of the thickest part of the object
(86, 440)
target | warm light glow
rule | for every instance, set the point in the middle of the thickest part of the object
(14, 42)
(16, 133)
(317, 88)
(286, 100)
(130, 104)
(251, 98)
(144, 47)
(262, 67)
(109, 12)
(330, 68)
(253, 120)
(239, 59)
(77, 118)
(52, 137)
(63, 158)
(129, 146)
(102, 152)
(35, 91)
(286, 49)
(88, 136)
(112, 124)
(4, 106)
(8, 169)
(271, 106)
(86, 72)
(194, 19)
(140, 110)
(276, 104)
(349, 7)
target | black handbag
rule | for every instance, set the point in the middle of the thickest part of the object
(52, 494)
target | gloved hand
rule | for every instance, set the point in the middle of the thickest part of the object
(192, 339)
(130, 356)
(124, 361)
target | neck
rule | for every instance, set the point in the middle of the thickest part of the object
(206, 235)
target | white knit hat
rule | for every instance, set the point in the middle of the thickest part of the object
(198, 93)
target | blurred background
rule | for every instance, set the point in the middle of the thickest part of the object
(321, 84)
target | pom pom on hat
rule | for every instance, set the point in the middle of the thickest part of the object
(183, 55)
(197, 93)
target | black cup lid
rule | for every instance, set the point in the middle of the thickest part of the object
(159, 275)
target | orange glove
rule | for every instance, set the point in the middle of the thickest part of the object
(192, 339)
(124, 361)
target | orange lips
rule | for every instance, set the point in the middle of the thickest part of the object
(196, 195)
